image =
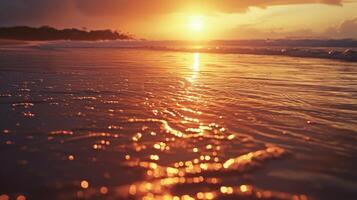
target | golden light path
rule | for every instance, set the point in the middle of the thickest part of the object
(196, 62)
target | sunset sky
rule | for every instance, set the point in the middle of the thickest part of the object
(192, 19)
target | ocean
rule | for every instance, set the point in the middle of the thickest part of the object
(103, 122)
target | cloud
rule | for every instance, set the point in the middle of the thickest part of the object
(16, 11)
(129, 14)
(140, 7)
(249, 31)
(24, 11)
(347, 29)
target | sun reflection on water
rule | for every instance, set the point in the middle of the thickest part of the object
(196, 61)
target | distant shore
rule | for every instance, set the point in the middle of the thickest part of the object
(6, 42)
(47, 33)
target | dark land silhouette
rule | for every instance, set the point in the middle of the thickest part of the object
(45, 33)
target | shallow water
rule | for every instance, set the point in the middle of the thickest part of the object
(87, 123)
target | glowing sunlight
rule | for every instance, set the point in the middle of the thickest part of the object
(196, 24)
(196, 61)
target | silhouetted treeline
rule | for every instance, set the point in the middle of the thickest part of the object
(49, 33)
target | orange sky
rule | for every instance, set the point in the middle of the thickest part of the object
(169, 19)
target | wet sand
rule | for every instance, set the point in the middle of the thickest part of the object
(88, 123)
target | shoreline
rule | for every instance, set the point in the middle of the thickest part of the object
(333, 53)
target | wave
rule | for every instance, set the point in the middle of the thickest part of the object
(337, 50)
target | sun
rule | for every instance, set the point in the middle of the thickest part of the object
(196, 24)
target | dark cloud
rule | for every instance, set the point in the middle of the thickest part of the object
(13, 12)
(47, 11)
